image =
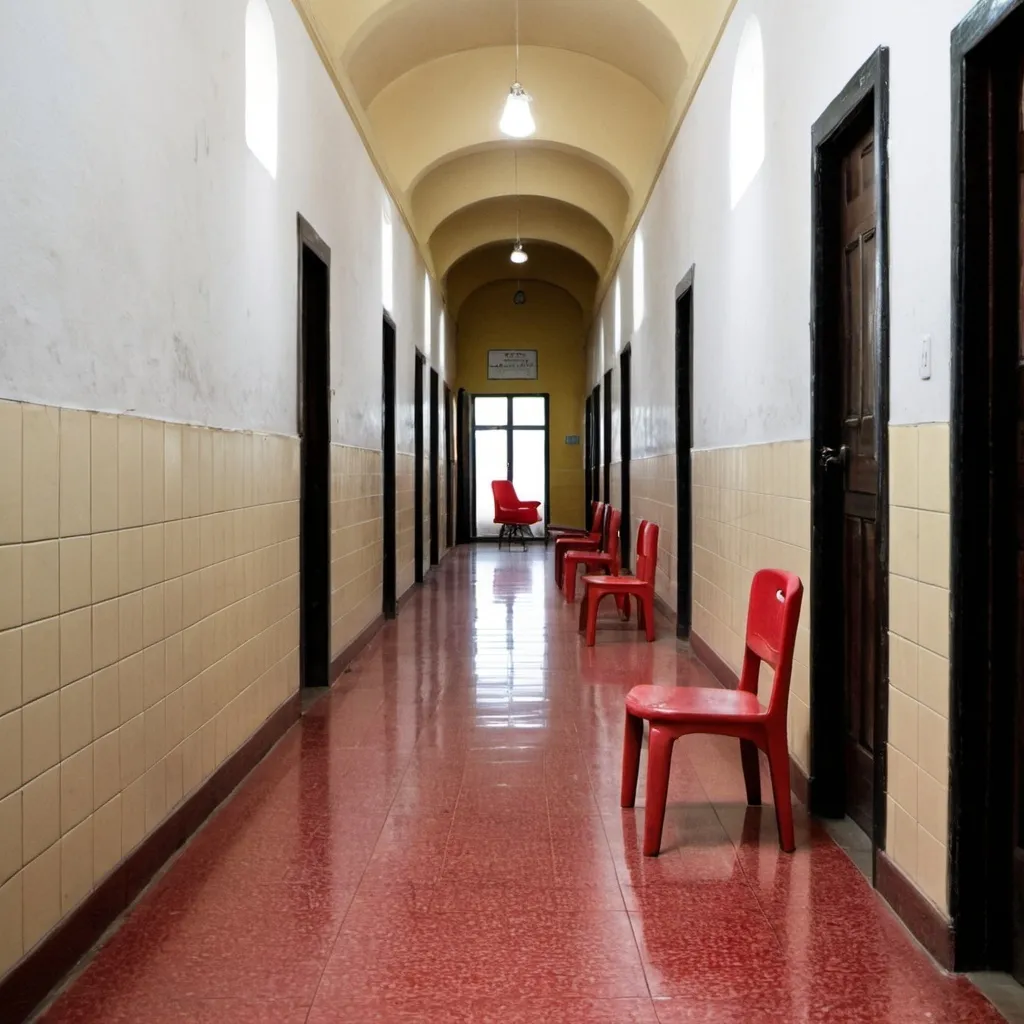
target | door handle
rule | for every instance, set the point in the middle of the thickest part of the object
(828, 457)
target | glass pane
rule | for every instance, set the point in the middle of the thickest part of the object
(528, 412)
(491, 464)
(490, 412)
(528, 470)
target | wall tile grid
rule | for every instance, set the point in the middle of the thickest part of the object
(356, 542)
(405, 520)
(751, 509)
(653, 497)
(919, 546)
(148, 626)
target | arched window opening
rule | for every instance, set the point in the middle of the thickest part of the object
(261, 90)
(639, 283)
(747, 114)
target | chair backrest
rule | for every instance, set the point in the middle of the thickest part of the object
(597, 523)
(504, 495)
(772, 620)
(611, 546)
(647, 552)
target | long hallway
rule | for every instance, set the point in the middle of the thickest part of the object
(440, 840)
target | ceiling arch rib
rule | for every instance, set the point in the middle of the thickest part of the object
(552, 264)
(539, 219)
(402, 35)
(488, 173)
(579, 102)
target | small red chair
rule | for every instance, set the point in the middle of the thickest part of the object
(675, 711)
(592, 541)
(512, 515)
(594, 561)
(640, 586)
(555, 531)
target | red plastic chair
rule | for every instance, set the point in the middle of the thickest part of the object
(675, 711)
(511, 514)
(607, 560)
(554, 530)
(592, 541)
(640, 586)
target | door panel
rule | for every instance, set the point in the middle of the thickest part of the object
(859, 358)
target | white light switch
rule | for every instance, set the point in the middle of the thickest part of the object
(925, 368)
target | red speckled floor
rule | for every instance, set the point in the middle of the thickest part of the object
(441, 842)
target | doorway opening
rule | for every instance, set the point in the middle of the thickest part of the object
(435, 467)
(390, 483)
(849, 481)
(986, 827)
(418, 467)
(589, 458)
(684, 455)
(449, 470)
(595, 449)
(626, 442)
(314, 401)
(510, 442)
(606, 445)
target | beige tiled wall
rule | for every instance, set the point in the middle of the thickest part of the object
(405, 518)
(918, 797)
(652, 484)
(751, 509)
(356, 542)
(148, 626)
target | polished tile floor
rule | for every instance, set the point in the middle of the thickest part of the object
(440, 841)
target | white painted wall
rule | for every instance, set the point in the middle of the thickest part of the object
(147, 259)
(753, 265)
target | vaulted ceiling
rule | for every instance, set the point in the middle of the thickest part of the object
(426, 81)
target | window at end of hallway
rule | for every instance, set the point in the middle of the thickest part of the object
(387, 259)
(639, 285)
(261, 84)
(747, 117)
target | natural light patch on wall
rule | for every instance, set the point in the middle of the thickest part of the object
(387, 251)
(618, 315)
(261, 84)
(746, 117)
(639, 285)
(427, 319)
(442, 348)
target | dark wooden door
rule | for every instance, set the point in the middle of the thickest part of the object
(390, 586)
(859, 461)
(626, 438)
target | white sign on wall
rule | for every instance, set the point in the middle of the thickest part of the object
(512, 364)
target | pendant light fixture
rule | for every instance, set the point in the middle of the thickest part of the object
(517, 120)
(518, 253)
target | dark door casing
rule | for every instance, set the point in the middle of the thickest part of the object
(449, 471)
(626, 432)
(421, 365)
(684, 456)
(606, 443)
(435, 467)
(389, 482)
(314, 300)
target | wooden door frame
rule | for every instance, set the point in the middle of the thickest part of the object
(389, 468)
(418, 462)
(684, 455)
(982, 685)
(626, 444)
(464, 521)
(449, 465)
(590, 486)
(435, 466)
(606, 437)
(312, 672)
(865, 98)
(595, 405)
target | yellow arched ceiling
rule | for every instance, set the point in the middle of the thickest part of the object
(549, 263)
(427, 80)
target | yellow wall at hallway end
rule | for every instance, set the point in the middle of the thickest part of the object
(551, 322)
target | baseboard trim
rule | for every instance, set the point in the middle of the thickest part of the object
(662, 606)
(923, 919)
(719, 669)
(354, 649)
(32, 980)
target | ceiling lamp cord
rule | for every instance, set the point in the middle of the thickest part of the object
(517, 120)
(518, 253)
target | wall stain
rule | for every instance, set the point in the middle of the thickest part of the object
(185, 367)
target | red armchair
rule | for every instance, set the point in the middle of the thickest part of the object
(592, 541)
(640, 586)
(512, 515)
(594, 561)
(674, 711)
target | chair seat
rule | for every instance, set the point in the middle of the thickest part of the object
(517, 517)
(692, 703)
(590, 557)
(622, 582)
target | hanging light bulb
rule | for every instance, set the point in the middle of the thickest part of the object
(517, 119)
(518, 254)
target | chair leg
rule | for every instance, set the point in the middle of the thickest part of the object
(639, 613)
(751, 771)
(659, 764)
(559, 564)
(583, 609)
(631, 746)
(624, 607)
(570, 582)
(593, 601)
(648, 603)
(778, 763)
